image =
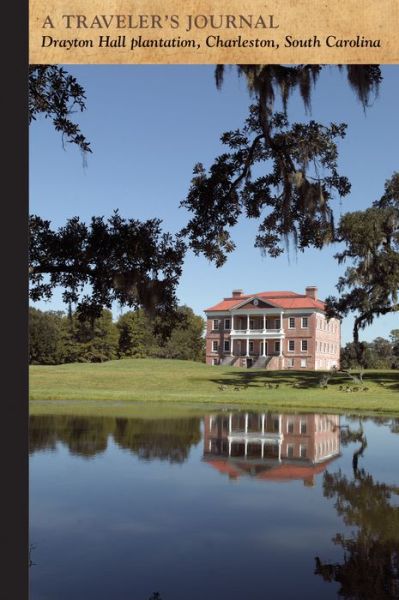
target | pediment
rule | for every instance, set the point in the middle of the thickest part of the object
(255, 304)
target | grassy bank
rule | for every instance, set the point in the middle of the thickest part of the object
(118, 387)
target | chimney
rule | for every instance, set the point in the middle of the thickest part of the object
(237, 293)
(311, 292)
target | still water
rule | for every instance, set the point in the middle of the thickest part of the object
(236, 506)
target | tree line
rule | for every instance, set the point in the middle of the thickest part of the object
(57, 338)
(378, 354)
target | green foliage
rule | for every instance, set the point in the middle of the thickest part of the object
(378, 354)
(296, 179)
(370, 284)
(139, 337)
(56, 94)
(124, 260)
(283, 174)
(97, 339)
(136, 335)
(56, 338)
(186, 341)
(45, 337)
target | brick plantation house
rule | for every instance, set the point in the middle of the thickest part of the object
(272, 330)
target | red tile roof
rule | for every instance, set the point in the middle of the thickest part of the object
(278, 299)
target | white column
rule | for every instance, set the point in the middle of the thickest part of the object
(281, 320)
(281, 347)
(264, 347)
(246, 422)
(264, 322)
(263, 423)
(279, 451)
(247, 346)
(246, 448)
(248, 323)
(279, 424)
(229, 447)
(231, 346)
(263, 449)
(230, 422)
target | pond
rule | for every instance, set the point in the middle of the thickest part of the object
(232, 505)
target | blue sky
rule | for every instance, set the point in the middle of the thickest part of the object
(149, 124)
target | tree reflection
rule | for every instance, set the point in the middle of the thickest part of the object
(370, 567)
(169, 439)
(86, 437)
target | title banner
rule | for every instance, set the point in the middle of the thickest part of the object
(216, 31)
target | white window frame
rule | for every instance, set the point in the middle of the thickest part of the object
(304, 342)
(307, 322)
(289, 424)
(277, 345)
(215, 343)
(251, 346)
(225, 326)
(303, 451)
(289, 322)
(303, 363)
(303, 428)
(289, 344)
(226, 343)
(290, 363)
(215, 324)
(277, 323)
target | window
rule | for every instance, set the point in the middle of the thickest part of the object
(305, 322)
(215, 346)
(277, 346)
(291, 323)
(304, 345)
(290, 363)
(290, 451)
(291, 345)
(251, 346)
(303, 426)
(215, 323)
(276, 425)
(290, 427)
(251, 324)
(277, 323)
(215, 361)
(227, 324)
(303, 451)
(227, 345)
(303, 363)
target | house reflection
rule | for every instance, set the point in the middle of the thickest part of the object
(271, 446)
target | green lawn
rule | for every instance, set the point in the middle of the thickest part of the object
(117, 387)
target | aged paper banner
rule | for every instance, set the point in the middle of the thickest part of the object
(214, 31)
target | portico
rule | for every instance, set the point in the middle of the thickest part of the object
(259, 334)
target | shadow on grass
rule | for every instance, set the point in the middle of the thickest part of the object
(303, 379)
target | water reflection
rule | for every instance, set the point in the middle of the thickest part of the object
(271, 446)
(158, 509)
(370, 568)
(162, 439)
